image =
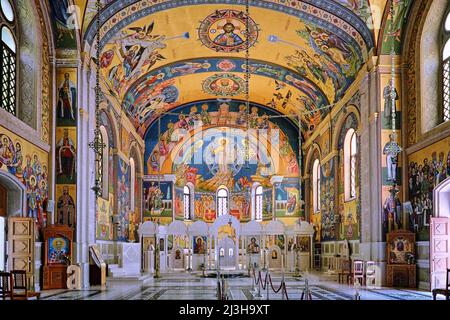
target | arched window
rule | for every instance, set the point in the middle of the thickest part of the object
(8, 58)
(350, 154)
(222, 201)
(258, 204)
(105, 163)
(446, 68)
(316, 185)
(187, 197)
(132, 183)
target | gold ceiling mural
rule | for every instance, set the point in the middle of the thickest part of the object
(164, 54)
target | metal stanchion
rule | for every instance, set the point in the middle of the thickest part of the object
(357, 288)
(306, 295)
(258, 290)
(266, 280)
(282, 282)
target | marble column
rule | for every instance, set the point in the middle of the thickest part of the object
(372, 246)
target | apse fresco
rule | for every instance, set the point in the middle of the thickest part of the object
(123, 200)
(197, 146)
(30, 165)
(157, 198)
(427, 168)
(205, 144)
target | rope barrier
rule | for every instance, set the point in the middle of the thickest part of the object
(268, 279)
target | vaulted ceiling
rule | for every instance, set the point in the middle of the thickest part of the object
(158, 54)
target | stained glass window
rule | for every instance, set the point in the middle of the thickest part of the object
(316, 185)
(187, 203)
(258, 203)
(350, 157)
(222, 202)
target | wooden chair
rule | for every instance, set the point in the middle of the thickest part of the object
(20, 286)
(358, 271)
(445, 292)
(5, 285)
(345, 270)
(371, 273)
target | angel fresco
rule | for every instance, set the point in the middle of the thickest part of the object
(136, 50)
(333, 48)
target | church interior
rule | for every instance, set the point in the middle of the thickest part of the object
(204, 149)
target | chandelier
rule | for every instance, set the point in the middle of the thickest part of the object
(97, 145)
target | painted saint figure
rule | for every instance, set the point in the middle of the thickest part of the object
(66, 209)
(392, 208)
(391, 158)
(67, 103)
(66, 155)
(388, 104)
(228, 38)
(253, 247)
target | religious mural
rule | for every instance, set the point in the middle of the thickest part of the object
(224, 85)
(205, 205)
(66, 201)
(427, 168)
(66, 138)
(287, 198)
(328, 218)
(213, 155)
(200, 244)
(253, 245)
(392, 218)
(132, 51)
(105, 212)
(225, 31)
(393, 30)
(30, 165)
(157, 199)
(64, 19)
(123, 200)
(67, 110)
(157, 92)
(66, 154)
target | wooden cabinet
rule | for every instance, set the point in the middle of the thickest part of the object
(401, 267)
(402, 276)
(57, 256)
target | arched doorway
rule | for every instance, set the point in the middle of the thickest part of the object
(227, 253)
(12, 204)
(440, 235)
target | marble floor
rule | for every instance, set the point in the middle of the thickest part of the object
(194, 287)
